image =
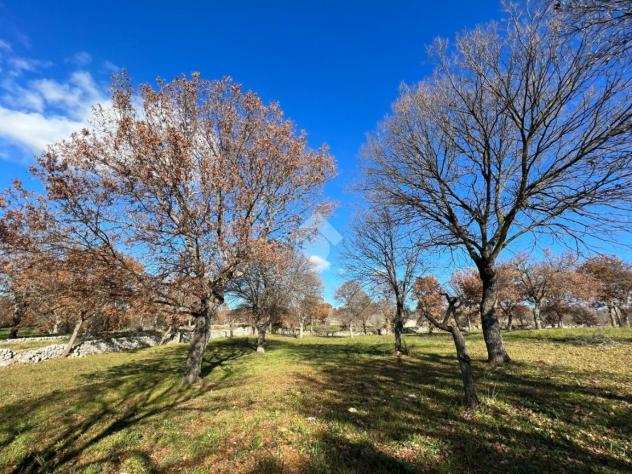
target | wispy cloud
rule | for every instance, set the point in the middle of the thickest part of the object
(81, 58)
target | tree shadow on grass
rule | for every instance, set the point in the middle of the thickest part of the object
(112, 400)
(579, 340)
(531, 421)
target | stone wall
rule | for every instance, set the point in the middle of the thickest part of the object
(92, 346)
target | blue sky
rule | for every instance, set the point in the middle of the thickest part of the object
(334, 67)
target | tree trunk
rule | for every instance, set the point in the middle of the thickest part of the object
(18, 312)
(351, 330)
(364, 328)
(536, 315)
(168, 334)
(496, 352)
(619, 316)
(398, 329)
(300, 329)
(56, 325)
(465, 362)
(510, 321)
(73, 338)
(261, 338)
(611, 315)
(230, 329)
(430, 326)
(199, 340)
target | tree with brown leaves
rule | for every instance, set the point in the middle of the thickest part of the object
(429, 295)
(274, 287)
(612, 285)
(197, 182)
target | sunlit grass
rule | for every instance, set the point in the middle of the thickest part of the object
(565, 404)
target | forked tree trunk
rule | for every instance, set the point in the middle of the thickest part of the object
(496, 352)
(168, 334)
(199, 340)
(73, 338)
(465, 362)
(536, 315)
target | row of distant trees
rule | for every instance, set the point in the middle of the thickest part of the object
(531, 294)
(547, 292)
(81, 292)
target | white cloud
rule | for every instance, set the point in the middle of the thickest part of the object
(81, 58)
(319, 264)
(34, 130)
(110, 67)
(5, 45)
(35, 112)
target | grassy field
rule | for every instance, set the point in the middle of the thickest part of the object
(322, 405)
(27, 332)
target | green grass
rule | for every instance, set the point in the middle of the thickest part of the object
(26, 332)
(564, 404)
(27, 345)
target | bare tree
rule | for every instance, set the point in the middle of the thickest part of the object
(611, 20)
(306, 296)
(356, 307)
(519, 131)
(381, 254)
(197, 181)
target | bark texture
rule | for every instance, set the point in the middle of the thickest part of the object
(496, 352)
(73, 338)
(199, 340)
